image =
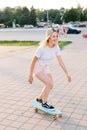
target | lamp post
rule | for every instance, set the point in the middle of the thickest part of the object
(47, 18)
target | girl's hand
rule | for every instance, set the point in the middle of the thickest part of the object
(69, 77)
(30, 79)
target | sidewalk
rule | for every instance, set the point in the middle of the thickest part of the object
(16, 95)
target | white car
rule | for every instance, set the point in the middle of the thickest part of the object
(28, 26)
(55, 25)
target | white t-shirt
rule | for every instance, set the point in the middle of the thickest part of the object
(46, 54)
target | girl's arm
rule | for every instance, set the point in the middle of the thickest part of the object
(63, 67)
(31, 69)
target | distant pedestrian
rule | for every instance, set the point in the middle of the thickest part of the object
(65, 29)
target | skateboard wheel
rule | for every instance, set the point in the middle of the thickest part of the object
(60, 116)
(36, 110)
(57, 116)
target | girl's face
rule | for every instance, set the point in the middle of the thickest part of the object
(53, 40)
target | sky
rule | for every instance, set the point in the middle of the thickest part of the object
(43, 4)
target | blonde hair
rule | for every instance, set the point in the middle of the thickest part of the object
(48, 34)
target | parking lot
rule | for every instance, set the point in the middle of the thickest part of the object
(29, 34)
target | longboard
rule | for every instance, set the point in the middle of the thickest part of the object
(55, 112)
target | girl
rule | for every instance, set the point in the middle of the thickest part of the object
(40, 65)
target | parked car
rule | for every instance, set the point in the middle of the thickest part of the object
(55, 25)
(28, 26)
(2, 25)
(73, 30)
(41, 24)
(18, 25)
(80, 25)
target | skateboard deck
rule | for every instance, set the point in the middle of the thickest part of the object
(55, 112)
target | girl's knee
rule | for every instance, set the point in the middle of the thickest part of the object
(50, 84)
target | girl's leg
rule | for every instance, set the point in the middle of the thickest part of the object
(48, 81)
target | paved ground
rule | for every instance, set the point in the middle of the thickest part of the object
(16, 95)
(28, 34)
(22, 34)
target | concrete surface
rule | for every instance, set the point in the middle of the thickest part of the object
(16, 95)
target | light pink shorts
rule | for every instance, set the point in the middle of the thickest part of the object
(39, 68)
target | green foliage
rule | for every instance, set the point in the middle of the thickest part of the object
(30, 43)
(85, 15)
(52, 14)
(6, 16)
(23, 15)
(58, 18)
(64, 43)
(18, 43)
(72, 15)
(33, 16)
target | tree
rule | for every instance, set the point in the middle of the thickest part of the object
(53, 15)
(85, 15)
(72, 15)
(39, 15)
(22, 16)
(7, 16)
(1, 17)
(32, 16)
(58, 19)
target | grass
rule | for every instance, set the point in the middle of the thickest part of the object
(18, 43)
(64, 43)
(29, 43)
